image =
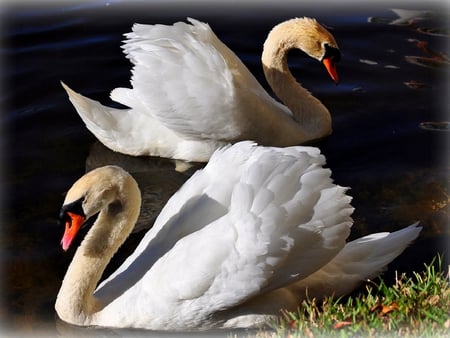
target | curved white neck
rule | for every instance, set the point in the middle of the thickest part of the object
(308, 111)
(75, 302)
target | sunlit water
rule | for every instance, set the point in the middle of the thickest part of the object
(389, 138)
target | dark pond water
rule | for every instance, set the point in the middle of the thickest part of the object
(389, 144)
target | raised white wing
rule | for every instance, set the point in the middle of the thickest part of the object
(192, 83)
(274, 217)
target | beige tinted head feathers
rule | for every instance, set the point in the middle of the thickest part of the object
(101, 190)
(307, 35)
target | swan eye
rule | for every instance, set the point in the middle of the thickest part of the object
(331, 53)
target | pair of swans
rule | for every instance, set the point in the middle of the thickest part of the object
(243, 238)
(252, 233)
(191, 94)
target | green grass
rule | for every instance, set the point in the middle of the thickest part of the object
(416, 306)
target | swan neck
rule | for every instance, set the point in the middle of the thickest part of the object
(306, 109)
(75, 302)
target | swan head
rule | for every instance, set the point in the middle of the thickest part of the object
(103, 189)
(309, 36)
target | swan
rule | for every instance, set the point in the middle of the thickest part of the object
(191, 94)
(226, 251)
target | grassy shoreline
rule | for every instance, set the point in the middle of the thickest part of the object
(414, 306)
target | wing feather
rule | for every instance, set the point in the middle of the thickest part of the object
(263, 229)
(262, 247)
(172, 65)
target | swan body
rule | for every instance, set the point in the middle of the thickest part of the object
(227, 250)
(191, 94)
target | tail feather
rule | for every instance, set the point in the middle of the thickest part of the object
(361, 259)
(110, 126)
(99, 119)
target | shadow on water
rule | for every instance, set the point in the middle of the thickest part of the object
(67, 330)
(397, 166)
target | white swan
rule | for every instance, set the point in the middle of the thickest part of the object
(242, 239)
(191, 94)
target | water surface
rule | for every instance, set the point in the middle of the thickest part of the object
(389, 141)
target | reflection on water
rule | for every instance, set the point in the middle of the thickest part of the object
(389, 141)
(67, 330)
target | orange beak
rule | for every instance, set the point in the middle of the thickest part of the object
(73, 225)
(330, 65)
